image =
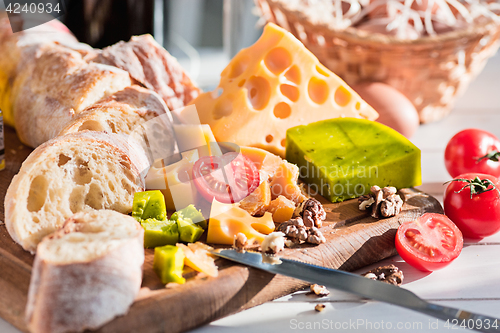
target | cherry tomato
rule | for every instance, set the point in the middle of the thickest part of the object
(473, 150)
(228, 178)
(429, 243)
(477, 214)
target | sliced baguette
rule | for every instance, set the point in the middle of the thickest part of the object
(58, 84)
(151, 65)
(120, 113)
(86, 273)
(72, 173)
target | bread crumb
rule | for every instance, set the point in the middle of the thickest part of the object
(319, 307)
(240, 242)
(273, 243)
(321, 291)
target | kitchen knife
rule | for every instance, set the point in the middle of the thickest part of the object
(361, 286)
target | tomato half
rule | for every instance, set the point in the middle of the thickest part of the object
(477, 214)
(429, 243)
(228, 178)
(473, 150)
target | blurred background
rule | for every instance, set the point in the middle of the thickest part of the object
(202, 34)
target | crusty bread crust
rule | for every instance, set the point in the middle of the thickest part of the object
(76, 172)
(152, 65)
(58, 84)
(85, 294)
(119, 113)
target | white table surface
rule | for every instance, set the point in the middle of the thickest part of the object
(471, 282)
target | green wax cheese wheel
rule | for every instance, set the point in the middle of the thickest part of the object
(149, 204)
(168, 263)
(342, 158)
(159, 233)
(189, 232)
(190, 212)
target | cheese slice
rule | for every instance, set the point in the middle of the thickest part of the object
(271, 86)
(227, 220)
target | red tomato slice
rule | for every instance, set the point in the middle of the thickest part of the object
(228, 178)
(429, 243)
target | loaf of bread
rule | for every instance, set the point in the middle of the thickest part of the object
(49, 91)
(86, 273)
(119, 113)
(151, 65)
(19, 49)
(76, 172)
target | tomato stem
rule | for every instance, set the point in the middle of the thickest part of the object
(477, 186)
(492, 156)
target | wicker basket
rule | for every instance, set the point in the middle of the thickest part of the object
(431, 71)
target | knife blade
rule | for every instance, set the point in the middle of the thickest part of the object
(358, 285)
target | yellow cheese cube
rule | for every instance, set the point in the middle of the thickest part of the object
(257, 202)
(227, 220)
(266, 162)
(195, 136)
(284, 183)
(282, 209)
(274, 85)
(175, 181)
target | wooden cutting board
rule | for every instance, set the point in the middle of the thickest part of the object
(354, 240)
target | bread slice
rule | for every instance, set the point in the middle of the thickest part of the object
(72, 173)
(86, 273)
(121, 112)
(151, 65)
(56, 86)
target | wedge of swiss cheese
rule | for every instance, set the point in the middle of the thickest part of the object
(271, 86)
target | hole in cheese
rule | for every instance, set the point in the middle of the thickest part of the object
(259, 92)
(293, 74)
(322, 71)
(283, 143)
(277, 60)
(290, 92)
(282, 110)
(342, 96)
(358, 105)
(242, 82)
(238, 68)
(269, 138)
(318, 90)
(223, 108)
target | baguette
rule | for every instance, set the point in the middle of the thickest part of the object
(151, 65)
(120, 113)
(72, 173)
(86, 273)
(19, 49)
(49, 91)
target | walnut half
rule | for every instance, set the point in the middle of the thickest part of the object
(312, 212)
(383, 202)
